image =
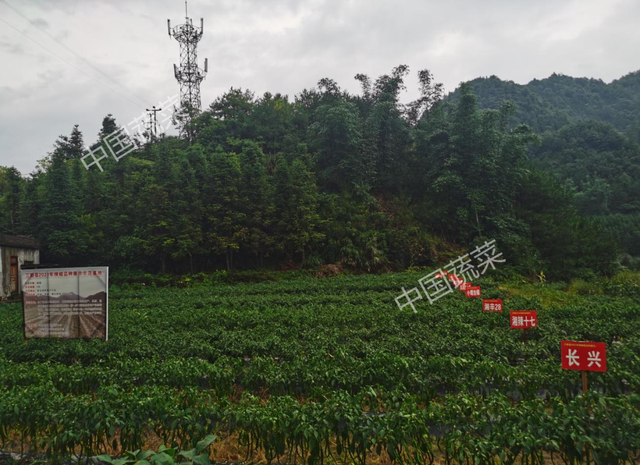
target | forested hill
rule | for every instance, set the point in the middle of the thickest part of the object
(360, 180)
(590, 141)
(554, 102)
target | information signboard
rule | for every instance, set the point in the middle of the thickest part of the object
(492, 305)
(584, 356)
(457, 282)
(473, 291)
(66, 302)
(523, 319)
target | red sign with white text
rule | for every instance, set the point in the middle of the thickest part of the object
(492, 305)
(584, 356)
(523, 319)
(457, 282)
(473, 291)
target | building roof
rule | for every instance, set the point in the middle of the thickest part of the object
(21, 242)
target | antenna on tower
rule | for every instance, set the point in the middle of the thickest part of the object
(188, 74)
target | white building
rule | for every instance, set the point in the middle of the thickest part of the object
(15, 251)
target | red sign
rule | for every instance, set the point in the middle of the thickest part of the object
(457, 282)
(585, 356)
(464, 287)
(473, 291)
(492, 305)
(523, 319)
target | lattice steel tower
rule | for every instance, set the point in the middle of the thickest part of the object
(188, 74)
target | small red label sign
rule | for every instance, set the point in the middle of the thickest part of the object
(464, 287)
(492, 305)
(523, 319)
(457, 282)
(585, 356)
(473, 291)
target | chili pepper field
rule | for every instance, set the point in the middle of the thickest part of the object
(310, 370)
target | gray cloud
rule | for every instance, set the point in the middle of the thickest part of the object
(283, 46)
(41, 22)
(11, 48)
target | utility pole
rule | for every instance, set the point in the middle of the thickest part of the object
(153, 120)
(188, 74)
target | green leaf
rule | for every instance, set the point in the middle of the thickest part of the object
(188, 454)
(162, 458)
(206, 442)
(202, 459)
(123, 461)
(171, 452)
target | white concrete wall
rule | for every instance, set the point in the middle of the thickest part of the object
(5, 265)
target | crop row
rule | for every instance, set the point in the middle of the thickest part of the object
(328, 368)
(453, 326)
(428, 378)
(456, 429)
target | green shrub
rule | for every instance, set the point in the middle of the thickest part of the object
(626, 284)
(582, 287)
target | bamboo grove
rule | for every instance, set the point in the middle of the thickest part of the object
(362, 180)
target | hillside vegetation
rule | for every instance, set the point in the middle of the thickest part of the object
(327, 177)
(552, 103)
(590, 133)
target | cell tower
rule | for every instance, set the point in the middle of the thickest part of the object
(188, 74)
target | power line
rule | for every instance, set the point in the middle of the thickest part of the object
(70, 64)
(72, 51)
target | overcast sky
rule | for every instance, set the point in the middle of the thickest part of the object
(281, 46)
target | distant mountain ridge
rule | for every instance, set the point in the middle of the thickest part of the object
(554, 102)
(590, 141)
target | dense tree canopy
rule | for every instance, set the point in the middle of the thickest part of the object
(590, 143)
(330, 177)
(551, 103)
